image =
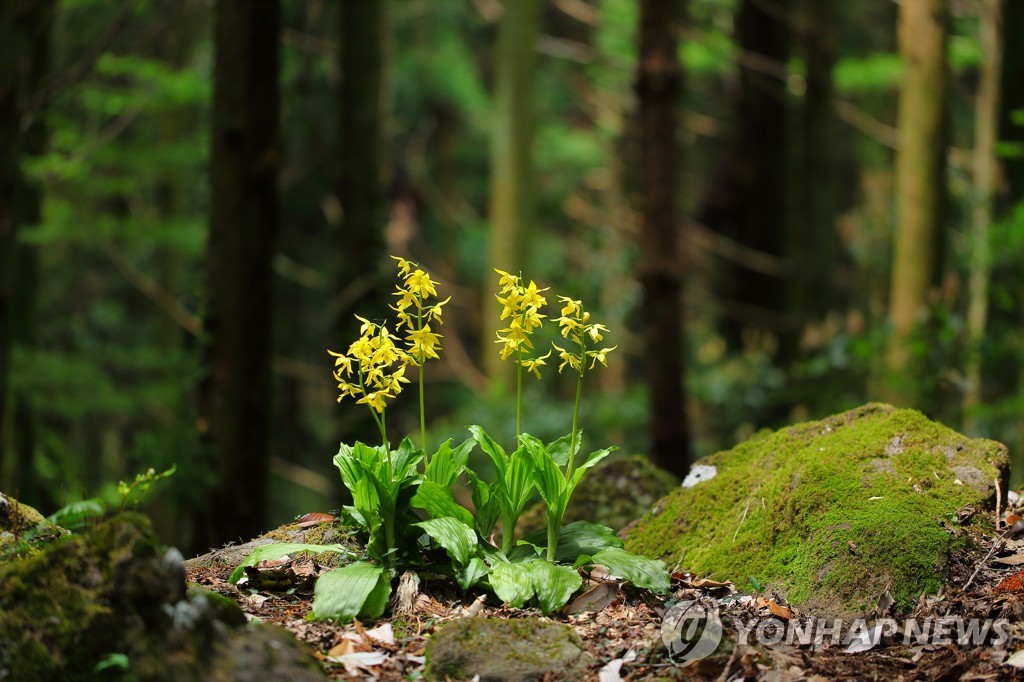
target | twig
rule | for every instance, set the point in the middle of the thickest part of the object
(999, 502)
(744, 518)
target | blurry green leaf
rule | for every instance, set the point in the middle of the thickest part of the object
(578, 538)
(77, 515)
(280, 549)
(643, 572)
(877, 72)
(471, 573)
(457, 538)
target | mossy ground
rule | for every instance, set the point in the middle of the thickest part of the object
(830, 513)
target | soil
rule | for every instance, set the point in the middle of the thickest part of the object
(622, 634)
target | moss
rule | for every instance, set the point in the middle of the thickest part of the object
(23, 530)
(111, 590)
(831, 513)
(495, 649)
(615, 493)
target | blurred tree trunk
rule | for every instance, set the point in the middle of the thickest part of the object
(511, 141)
(920, 186)
(25, 27)
(815, 242)
(359, 245)
(746, 201)
(235, 395)
(659, 83)
(1011, 131)
(986, 167)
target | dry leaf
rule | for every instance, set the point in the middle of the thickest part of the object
(780, 610)
(594, 600)
(344, 649)
(382, 634)
(314, 518)
(1012, 560)
(1016, 660)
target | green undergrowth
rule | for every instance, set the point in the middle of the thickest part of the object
(831, 513)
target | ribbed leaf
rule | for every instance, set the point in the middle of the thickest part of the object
(548, 477)
(592, 459)
(559, 448)
(580, 538)
(486, 503)
(471, 573)
(79, 514)
(517, 482)
(437, 500)
(554, 585)
(280, 549)
(457, 538)
(359, 589)
(447, 463)
(641, 571)
(512, 583)
(493, 450)
(405, 459)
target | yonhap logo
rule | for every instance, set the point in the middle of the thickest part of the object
(691, 631)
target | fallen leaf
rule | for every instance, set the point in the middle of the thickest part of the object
(254, 601)
(780, 610)
(1016, 660)
(594, 600)
(1012, 560)
(382, 634)
(360, 660)
(345, 648)
(885, 602)
(315, 518)
(611, 672)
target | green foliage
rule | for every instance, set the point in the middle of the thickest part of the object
(138, 488)
(280, 549)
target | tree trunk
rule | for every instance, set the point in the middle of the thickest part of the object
(235, 395)
(360, 241)
(814, 245)
(511, 140)
(24, 61)
(658, 86)
(919, 189)
(986, 167)
(747, 200)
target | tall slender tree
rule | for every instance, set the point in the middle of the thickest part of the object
(659, 82)
(235, 395)
(986, 166)
(25, 27)
(515, 58)
(920, 187)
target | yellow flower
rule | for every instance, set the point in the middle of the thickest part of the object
(599, 356)
(433, 313)
(404, 266)
(375, 400)
(531, 297)
(422, 343)
(507, 281)
(595, 331)
(344, 362)
(533, 365)
(420, 284)
(567, 359)
(571, 306)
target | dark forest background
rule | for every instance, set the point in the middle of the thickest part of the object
(780, 208)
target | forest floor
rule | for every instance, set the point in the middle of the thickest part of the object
(621, 630)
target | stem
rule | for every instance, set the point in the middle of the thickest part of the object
(507, 532)
(554, 528)
(423, 421)
(575, 422)
(387, 446)
(519, 396)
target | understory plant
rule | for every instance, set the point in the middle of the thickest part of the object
(403, 500)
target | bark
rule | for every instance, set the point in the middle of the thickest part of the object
(815, 242)
(658, 86)
(747, 200)
(511, 141)
(359, 245)
(235, 395)
(24, 61)
(920, 187)
(986, 166)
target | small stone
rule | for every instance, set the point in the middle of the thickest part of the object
(497, 650)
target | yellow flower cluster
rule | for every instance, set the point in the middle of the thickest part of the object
(575, 325)
(521, 307)
(414, 312)
(373, 370)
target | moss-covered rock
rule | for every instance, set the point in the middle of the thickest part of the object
(833, 512)
(615, 493)
(23, 529)
(114, 591)
(499, 650)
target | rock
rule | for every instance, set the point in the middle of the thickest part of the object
(498, 650)
(831, 513)
(113, 593)
(615, 493)
(23, 529)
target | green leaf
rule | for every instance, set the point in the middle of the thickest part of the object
(437, 500)
(559, 448)
(471, 573)
(493, 450)
(280, 549)
(592, 459)
(78, 514)
(523, 552)
(119, 661)
(446, 464)
(350, 591)
(547, 476)
(404, 461)
(517, 483)
(512, 583)
(578, 539)
(457, 538)
(486, 504)
(641, 571)
(554, 585)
